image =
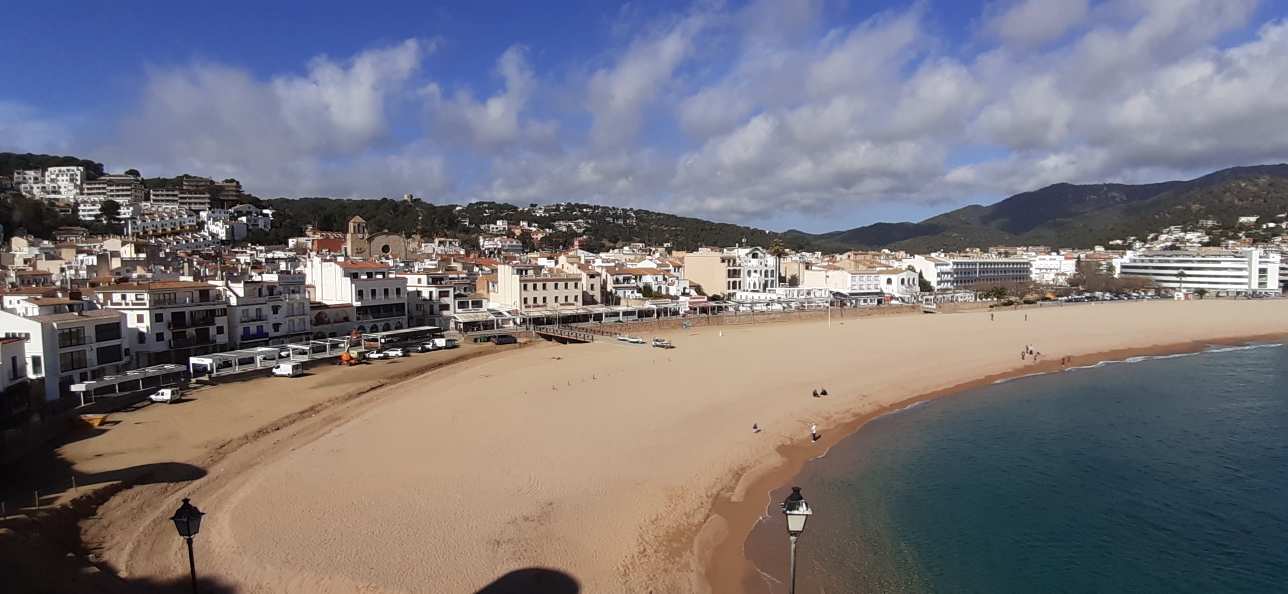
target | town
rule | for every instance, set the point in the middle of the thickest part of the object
(180, 284)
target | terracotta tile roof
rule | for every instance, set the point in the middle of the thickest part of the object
(362, 265)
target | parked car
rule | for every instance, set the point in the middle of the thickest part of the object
(425, 347)
(288, 369)
(396, 352)
(166, 395)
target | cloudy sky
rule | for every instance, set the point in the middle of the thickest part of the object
(814, 114)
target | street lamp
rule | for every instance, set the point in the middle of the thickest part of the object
(797, 512)
(187, 520)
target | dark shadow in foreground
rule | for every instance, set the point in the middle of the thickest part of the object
(533, 580)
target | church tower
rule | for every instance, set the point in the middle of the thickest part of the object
(355, 241)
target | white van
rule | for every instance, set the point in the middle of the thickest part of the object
(166, 395)
(288, 369)
(444, 343)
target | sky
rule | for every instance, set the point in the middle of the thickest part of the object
(810, 114)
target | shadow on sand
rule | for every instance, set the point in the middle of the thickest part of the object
(533, 580)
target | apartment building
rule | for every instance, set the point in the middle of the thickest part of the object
(269, 309)
(125, 189)
(1243, 271)
(15, 401)
(379, 298)
(156, 220)
(431, 295)
(1053, 269)
(66, 181)
(164, 196)
(716, 272)
(169, 321)
(530, 286)
(67, 343)
(952, 271)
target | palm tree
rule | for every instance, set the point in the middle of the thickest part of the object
(1180, 276)
(777, 248)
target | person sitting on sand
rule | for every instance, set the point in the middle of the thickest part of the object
(815, 393)
(823, 392)
(755, 428)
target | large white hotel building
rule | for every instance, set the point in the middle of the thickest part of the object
(1243, 271)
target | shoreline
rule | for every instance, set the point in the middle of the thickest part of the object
(725, 534)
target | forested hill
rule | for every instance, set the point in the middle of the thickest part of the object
(606, 226)
(1074, 216)
(11, 162)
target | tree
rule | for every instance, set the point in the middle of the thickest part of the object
(109, 211)
(133, 172)
(1202, 293)
(778, 250)
(924, 285)
(793, 281)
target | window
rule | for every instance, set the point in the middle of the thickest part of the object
(109, 354)
(36, 368)
(158, 318)
(397, 291)
(106, 332)
(13, 367)
(359, 294)
(140, 336)
(386, 292)
(219, 330)
(69, 337)
(160, 336)
(138, 318)
(72, 360)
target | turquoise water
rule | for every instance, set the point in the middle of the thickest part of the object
(1165, 475)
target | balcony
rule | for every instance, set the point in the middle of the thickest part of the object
(185, 324)
(262, 334)
(187, 343)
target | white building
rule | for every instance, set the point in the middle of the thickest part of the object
(69, 344)
(153, 221)
(66, 180)
(379, 298)
(125, 189)
(1243, 271)
(170, 321)
(270, 309)
(960, 271)
(1053, 269)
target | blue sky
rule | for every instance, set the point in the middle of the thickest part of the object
(814, 114)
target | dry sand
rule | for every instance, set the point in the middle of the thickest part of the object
(599, 461)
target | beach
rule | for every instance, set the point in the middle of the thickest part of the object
(619, 467)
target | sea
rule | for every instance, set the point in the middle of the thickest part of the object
(1155, 474)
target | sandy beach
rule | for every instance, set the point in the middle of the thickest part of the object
(622, 468)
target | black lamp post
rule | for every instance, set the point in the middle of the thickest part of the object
(797, 512)
(187, 520)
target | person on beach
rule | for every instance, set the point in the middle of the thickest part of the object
(813, 432)
(815, 393)
(823, 392)
(990, 316)
(755, 428)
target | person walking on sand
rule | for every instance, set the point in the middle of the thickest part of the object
(990, 316)
(813, 432)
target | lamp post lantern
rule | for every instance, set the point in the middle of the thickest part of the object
(187, 520)
(797, 511)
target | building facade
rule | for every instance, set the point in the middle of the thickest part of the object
(1245, 271)
(169, 321)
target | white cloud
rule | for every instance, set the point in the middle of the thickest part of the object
(1035, 22)
(219, 120)
(497, 121)
(618, 95)
(749, 112)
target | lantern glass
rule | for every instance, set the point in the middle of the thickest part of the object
(187, 519)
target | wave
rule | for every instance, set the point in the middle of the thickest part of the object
(1011, 379)
(1211, 349)
(1246, 347)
